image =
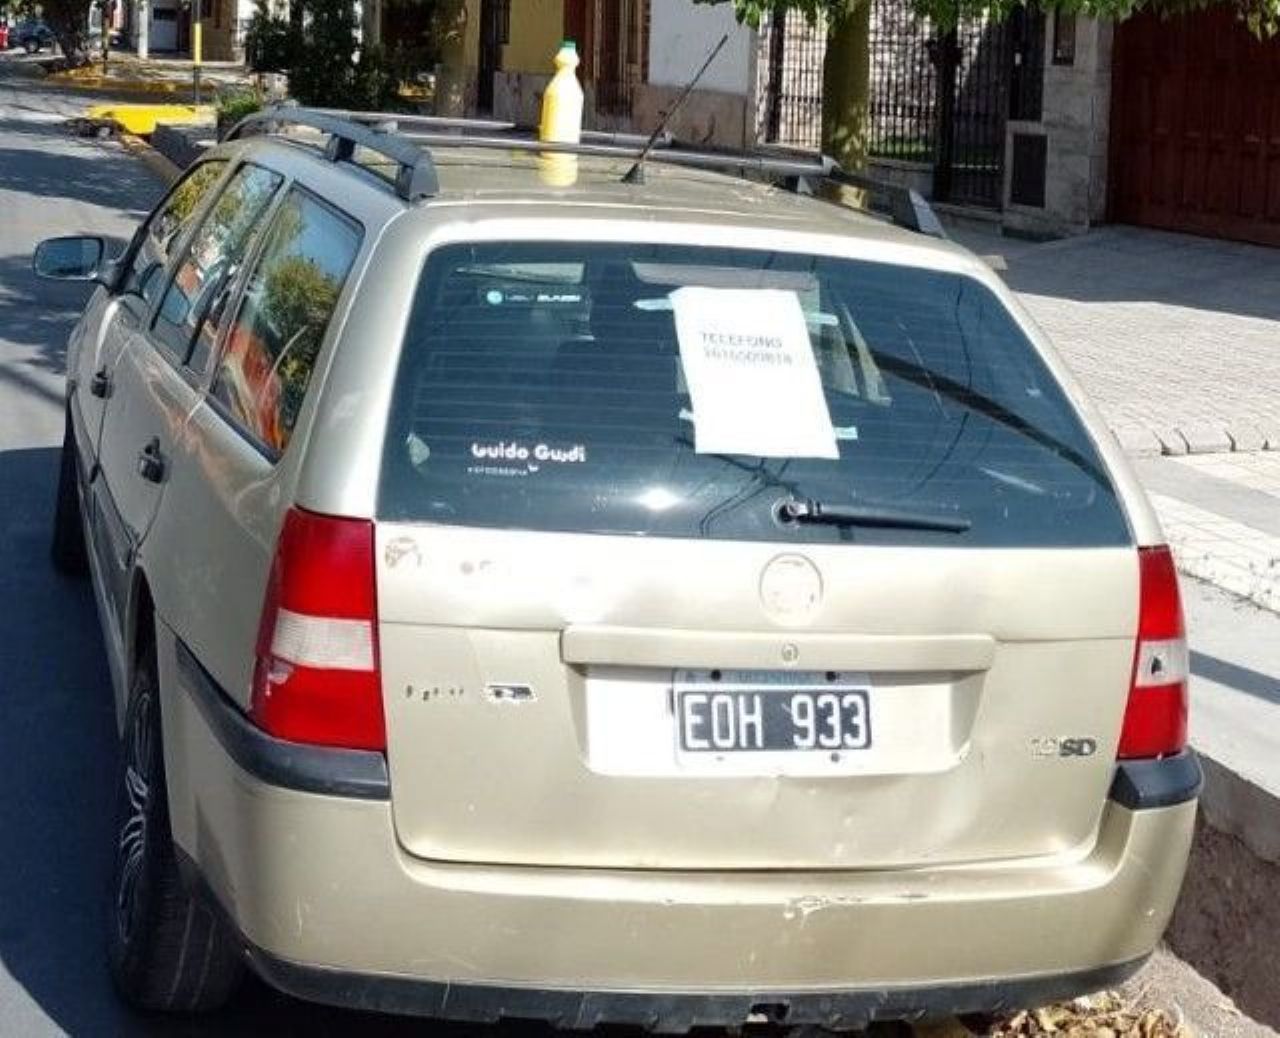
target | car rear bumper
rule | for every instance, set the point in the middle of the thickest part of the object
(331, 908)
(672, 1012)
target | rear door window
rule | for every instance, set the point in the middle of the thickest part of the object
(544, 386)
(211, 260)
(274, 340)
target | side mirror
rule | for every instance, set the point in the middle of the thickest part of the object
(70, 259)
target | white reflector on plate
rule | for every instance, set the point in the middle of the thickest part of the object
(322, 642)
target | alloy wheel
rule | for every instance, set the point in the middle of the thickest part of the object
(131, 842)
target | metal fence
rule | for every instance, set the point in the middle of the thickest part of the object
(789, 91)
(939, 99)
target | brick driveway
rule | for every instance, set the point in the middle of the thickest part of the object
(1176, 338)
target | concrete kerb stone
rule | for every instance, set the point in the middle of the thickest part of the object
(1234, 805)
(1245, 436)
(1205, 438)
(1224, 926)
(1137, 439)
(157, 163)
(183, 143)
(1172, 442)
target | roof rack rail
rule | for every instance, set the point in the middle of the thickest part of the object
(459, 127)
(905, 206)
(416, 172)
(407, 140)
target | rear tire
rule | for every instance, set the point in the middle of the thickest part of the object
(167, 950)
(67, 549)
(31, 46)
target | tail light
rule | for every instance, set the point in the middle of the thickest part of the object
(316, 679)
(1155, 721)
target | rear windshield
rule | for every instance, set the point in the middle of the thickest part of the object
(731, 394)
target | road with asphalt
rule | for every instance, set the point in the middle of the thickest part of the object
(57, 738)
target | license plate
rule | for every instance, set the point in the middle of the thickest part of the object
(760, 716)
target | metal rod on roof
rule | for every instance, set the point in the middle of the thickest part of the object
(636, 173)
(778, 166)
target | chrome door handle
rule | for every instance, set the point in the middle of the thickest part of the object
(151, 462)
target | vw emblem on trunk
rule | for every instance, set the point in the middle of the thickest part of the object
(791, 589)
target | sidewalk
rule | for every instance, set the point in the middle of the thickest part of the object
(1229, 914)
(1175, 337)
(1221, 513)
(127, 75)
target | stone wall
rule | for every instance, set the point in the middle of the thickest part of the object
(1076, 125)
(709, 117)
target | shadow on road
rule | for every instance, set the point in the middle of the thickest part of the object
(39, 314)
(93, 178)
(1129, 264)
(57, 759)
(56, 749)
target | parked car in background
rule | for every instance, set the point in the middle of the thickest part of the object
(32, 35)
(537, 588)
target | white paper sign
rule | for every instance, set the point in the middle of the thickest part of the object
(753, 383)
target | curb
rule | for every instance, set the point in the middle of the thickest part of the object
(134, 87)
(167, 171)
(109, 86)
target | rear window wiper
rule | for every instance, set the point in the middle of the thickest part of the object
(971, 399)
(793, 511)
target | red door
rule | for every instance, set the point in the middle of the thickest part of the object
(1195, 127)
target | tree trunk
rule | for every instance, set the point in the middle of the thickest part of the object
(73, 49)
(453, 76)
(846, 88)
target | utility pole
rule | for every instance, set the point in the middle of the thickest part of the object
(196, 28)
(143, 19)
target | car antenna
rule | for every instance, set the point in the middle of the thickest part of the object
(635, 175)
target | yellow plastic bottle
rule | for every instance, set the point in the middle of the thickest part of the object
(562, 102)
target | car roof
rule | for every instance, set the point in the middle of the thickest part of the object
(490, 182)
(469, 176)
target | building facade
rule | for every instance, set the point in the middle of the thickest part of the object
(636, 56)
(1042, 124)
(164, 27)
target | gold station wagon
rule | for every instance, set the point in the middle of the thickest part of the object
(546, 582)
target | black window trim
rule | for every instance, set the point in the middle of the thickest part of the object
(272, 455)
(162, 349)
(1100, 472)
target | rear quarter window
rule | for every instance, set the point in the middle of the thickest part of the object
(542, 386)
(274, 338)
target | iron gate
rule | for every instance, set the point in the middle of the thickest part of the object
(937, 99)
